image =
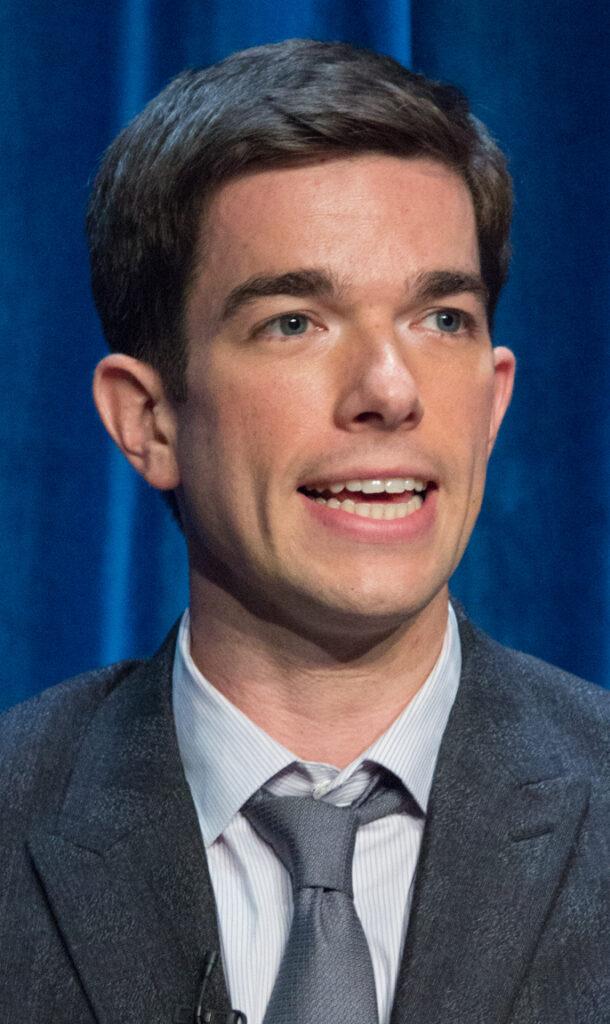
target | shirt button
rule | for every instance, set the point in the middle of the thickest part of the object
(321, 789)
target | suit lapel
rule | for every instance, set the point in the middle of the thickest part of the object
(123, 865)
(502, 819)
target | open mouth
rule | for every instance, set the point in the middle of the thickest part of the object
(395, 498)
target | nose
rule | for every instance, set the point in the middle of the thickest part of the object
(378, 388)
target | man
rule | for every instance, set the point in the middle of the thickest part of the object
(326, 777)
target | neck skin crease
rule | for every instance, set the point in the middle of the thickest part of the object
(323, 706)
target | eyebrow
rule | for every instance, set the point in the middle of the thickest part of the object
(300, 283)
(438, 284)
(430, 286)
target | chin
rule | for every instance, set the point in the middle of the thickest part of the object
(367, 610)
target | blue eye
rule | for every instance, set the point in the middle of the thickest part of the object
(287, 325)
(449, 321)
(292, 324)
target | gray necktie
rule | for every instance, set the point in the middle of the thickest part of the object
(326, 975)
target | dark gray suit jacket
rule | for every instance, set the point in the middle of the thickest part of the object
(106, 907)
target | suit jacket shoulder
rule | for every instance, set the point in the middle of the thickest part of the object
(568, 716)
(39, 738)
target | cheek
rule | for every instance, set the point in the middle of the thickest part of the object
(252, 422)
(276, 395)
(461, 402)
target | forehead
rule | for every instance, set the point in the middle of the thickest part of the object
(366, 216)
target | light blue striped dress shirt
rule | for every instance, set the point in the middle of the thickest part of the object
(227, 758)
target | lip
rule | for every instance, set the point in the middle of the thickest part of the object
(367, 474)
(376, 531)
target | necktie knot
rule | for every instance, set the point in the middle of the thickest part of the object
(315, 840)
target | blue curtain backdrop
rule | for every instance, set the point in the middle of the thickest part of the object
(92, 565)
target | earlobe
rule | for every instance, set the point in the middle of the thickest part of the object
(134, 409)
(504, 379)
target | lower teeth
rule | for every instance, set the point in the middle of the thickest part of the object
(368, 510)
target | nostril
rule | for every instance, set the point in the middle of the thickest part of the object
(389, 420)
(364, 417)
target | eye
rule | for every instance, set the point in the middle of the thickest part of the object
(289, 325)
(448, 321)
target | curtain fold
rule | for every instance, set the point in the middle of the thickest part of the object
(92, 564)
(536, 574)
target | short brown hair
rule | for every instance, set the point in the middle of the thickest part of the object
(270, 106)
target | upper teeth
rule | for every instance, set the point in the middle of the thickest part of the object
(395, 485)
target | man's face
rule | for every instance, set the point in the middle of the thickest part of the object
(337, 335)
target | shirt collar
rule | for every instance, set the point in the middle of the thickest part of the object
(409, 747)
(227, 757)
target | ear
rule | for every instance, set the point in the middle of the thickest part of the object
(132, 404)
(504, 379)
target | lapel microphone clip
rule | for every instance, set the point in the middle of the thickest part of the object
(201, 1016)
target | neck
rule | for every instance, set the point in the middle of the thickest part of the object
(324, 702)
